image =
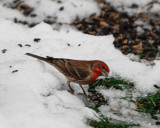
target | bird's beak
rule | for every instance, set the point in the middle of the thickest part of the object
(105, 74)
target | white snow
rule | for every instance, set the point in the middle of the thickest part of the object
(142, 5)
(129, 2)
(36, 96)
(156, 7)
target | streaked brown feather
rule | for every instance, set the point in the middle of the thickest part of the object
(74, 70)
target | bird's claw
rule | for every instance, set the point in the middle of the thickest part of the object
(82, 94)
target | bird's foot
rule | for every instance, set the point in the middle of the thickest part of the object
(84, 94)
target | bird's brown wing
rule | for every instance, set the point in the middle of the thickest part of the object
(72, 69)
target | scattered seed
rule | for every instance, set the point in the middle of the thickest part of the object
(27, 45)
(27, 10)
(79, 45)
(134, 5)
(157, 123)
(59, 1)
(142, 15)
(154, 117)
(33, 15)
(15, 20)
(20, 45)
(61, 8)
(36, 39)
(49, 21)
(68, 44)
(104, 24)
(32, 25)
(4, 50)
(14, 71)
(125, 41)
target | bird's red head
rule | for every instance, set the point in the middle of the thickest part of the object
(105, 66)
(105, 69)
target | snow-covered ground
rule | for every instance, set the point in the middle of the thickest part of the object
(136, 6)
(50, 8)
(36, 95)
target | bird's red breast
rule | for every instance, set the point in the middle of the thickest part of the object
(95, 76)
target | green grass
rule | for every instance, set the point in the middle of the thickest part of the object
(95, 109)
(149, 104)
(146, 55)
(142, 55)
(116, 83)
(105, 123)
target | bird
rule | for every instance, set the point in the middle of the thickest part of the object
(81, 72)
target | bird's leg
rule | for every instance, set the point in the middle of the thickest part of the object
(71, 90)
(83, 91)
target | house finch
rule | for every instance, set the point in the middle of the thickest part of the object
(77, 71)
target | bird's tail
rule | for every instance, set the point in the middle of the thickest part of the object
(48, 59)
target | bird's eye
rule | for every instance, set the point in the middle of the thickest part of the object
(103, 68)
